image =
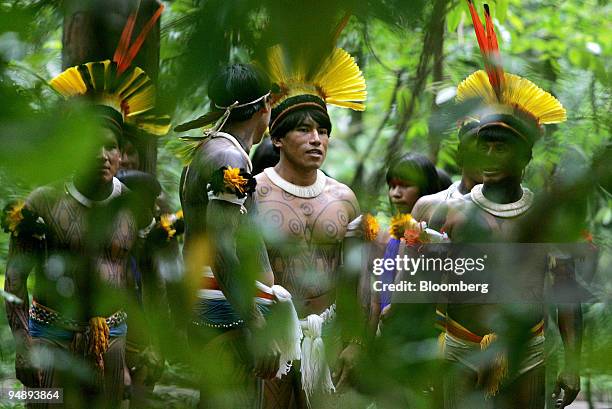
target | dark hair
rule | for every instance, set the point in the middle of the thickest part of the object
(265, 156)
(500, 133)
(526, 130)
(112, 126)
(239, 82)
(111, 119)
(295, 118)
(466, 135)
(444, 180)
(416, 168)
(467, 130)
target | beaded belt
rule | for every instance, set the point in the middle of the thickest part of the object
(45, 315)
(459, 331)
(211, 291)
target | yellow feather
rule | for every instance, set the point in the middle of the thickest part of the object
(186, 151)
(476, 86)
(518, 93)
(340, 78)
(355, 106)
(526, 96)
(69, 83)
(133, 96)
(141, 101)
(155, 125)
(338, 81)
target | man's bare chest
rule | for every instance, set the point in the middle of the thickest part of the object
(322, 219)
(477, 225)
(94, 232)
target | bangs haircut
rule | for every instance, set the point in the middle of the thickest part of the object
(117, 132)
(239, 82)
(415, 168)
(501, 134)
(498, 133)
(296, 118)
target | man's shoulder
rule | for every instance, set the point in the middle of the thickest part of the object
(460, 204)
(219, 152)
(432, 199)
(424, 207)
(339, 189)
(264, 186)
(45, 194)
(262, 179)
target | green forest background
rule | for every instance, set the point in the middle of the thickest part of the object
(413, 55)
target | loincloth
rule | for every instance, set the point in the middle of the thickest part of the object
(300, 340)
(87, 338)
(45, 322)
(464, 347)
(213, 310)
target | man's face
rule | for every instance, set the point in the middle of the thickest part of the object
(500, 159)
(130, 158)
(403, 194)
(305, 146)
(108, 157)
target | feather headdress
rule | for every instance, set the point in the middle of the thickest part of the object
(126, 90)
(337, 81)
(512, 102)
(315, 77)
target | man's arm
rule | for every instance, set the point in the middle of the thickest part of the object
(235, 280)
(348, 298)
(438, 220)
(21, 260)
(569, 318)
(23, 253)
(424, 208)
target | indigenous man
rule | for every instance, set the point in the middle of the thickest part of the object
(77, 237)
(84, 231)
(215, 191)
(471, 175)
(514, 111)
(308, 214)
(154, 263)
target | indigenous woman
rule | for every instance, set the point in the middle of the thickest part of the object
(408, 178)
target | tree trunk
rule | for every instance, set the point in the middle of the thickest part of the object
(418, 85)
(91, 33)
(435, 136)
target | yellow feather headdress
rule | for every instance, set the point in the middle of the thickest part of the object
(115, 84)
(336, 81)
(510, 100)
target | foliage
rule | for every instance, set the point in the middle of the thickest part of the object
(562, 46)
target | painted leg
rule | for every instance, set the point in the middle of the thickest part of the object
(527, 391)
(226, 377)
(461, 391)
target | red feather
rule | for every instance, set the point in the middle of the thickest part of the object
(478, 28)
(125, 53)
(489, 48)
(135, 47)
(124, 41)
(340, 27)
(496, 72)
